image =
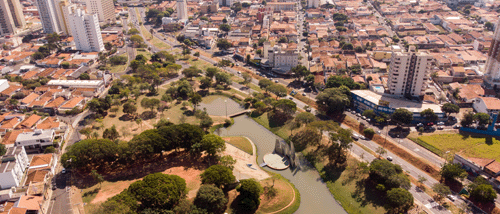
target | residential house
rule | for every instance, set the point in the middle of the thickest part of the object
(488, 105)
(36, 139)
(30, 122)
(72, 103)
(12, 168)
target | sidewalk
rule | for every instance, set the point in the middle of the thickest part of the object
(75, 198)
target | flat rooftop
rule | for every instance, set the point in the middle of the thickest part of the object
(395, 102)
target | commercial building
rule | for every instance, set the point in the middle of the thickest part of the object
(14, 163)
(11, 17)
(48, 16)
(492, 68)
(105, 9)
(408, 73)
(182, 12)
(313, 3)
(387, 104)
(281, 59)
(86, 31)
(99, 85)
(279, 6)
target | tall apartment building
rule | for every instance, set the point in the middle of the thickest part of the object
(492, 68)
(105, 9)
(182, 12)
(11, 17)
(209, 7)
(313, 3)
(86, 31)
(48, 16)
(281, 59)
(408, 73)
(66, 8)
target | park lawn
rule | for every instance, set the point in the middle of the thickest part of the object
(348, 188)
(119, 68)
(286, 201)
(240, 143)
(468, 145)
(144, 52)
(283, 131)
(201, 64)
(155, 41)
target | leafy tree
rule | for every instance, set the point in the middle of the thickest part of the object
(451, 171)
(97, 177)
(402, 116)
(212, 144)
(227, 161)
(305, 118)
(196, 54)
(211, 199)
(195, 99)
(449, 108)
(277, 89)
(206, 122)
(305, 137)
(300, 71)
(65, 65)
(150, 103)
(369, 113)
(309, 78)
(265, 83)
(390, 175)
(182, 136)
(489, 25)
(236, 7)
(250, 191)
(467, 119)
(482, 118)
(246, 78)
(283, 40)
(158, 190)
(90, 153)
(211, 72)
(225, 27)
(136, 39)
(399, 200)
(129, 108)
(84, 76)
(191, 72)
(369, 133)
(47, 150)
(441, 190)
(118, 60)
(133, 31)
(223, 44)
(380, 151)
(3, 149)
(337, 81)
(149, 142)
(481, 190)
(333, 100)
(223, 78)
(218, 175)
(429, 115)
(111, 133)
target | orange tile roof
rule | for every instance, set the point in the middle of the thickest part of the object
(30, 121)
(72, 103)
(30, 74)
(28, 99)
(492, 103)
(46, 72)
(10, 90)
(35, 176)
(59, 73)
(10, 124)
(2, 117)
(30, 202)
(10, 137)
(55, 103)
(49, 123)
(18, 210)
(494, 167)
(39, 160)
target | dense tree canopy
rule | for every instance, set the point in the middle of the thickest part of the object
(218, 175)
(333, 100)
(159, 191)
(450, 108)
(211, 199)
(388, 174)
(399, 200)
(402, 116)
(452, 171)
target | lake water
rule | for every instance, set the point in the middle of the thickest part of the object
(315, 196)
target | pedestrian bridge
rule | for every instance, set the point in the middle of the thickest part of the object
(240, 113)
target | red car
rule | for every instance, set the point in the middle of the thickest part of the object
(430, 124)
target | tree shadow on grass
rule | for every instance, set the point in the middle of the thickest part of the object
(126, 117)
(237, 209)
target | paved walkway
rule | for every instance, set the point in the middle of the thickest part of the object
(241, 169)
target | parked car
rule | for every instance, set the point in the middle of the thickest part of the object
(364, 117)
(452, 197)
(63, 171)
(389, 158)
(440, 123)
(358, 114)
(291, 98)
(440, 127)
(304, 94)
(420, 125)
(355, 136)
(275, 81)
(457, 126)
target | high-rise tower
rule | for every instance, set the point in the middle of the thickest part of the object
(182, 12)
(48, 16)
(86, 31)
(11, 17)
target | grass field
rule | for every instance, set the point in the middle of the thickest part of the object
(155, 41)
(283, 131)
(349, 188)
(144, 52)
(470, 146)
(240, 143)
(119, 68)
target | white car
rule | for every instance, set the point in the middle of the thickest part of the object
(389, 158)
(452, 197)
(63, 171)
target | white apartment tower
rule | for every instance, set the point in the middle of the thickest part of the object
(86, 31)
(408, 73)
(11, 17)
(105, 9)
(182, 12)
(281, 59)
(492, 68)
(66, 8)
(48, 16)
